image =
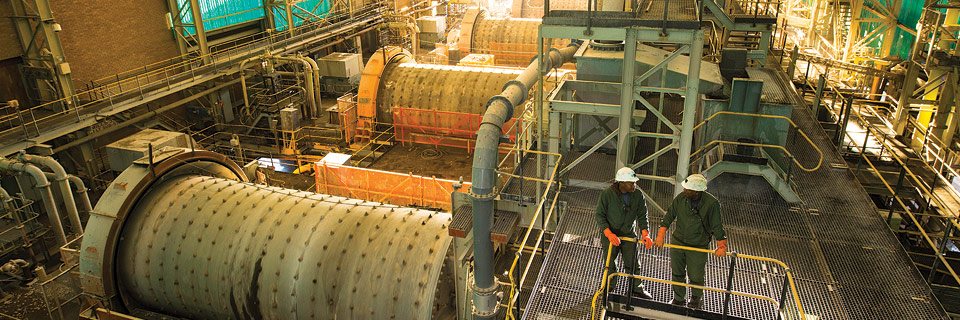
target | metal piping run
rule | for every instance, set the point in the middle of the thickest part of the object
(499, 110)
(60, 178)
(316, 83)
(414, 32)
(307, 79)
(79, 188)
(311, 79)
(45, 193)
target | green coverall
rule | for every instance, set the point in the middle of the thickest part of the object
(694, 229)
(613, 213)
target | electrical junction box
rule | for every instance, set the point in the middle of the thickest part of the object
(432, 24)
(289, 119)
(124, 152)
(340, 65)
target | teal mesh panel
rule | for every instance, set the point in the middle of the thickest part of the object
(222, 13)
(309, 9)
(909, 16)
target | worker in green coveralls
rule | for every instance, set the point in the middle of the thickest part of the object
(622, 207)
(697, 214)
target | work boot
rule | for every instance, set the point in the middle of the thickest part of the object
(695, 303)
(642, 293)
(678, 302)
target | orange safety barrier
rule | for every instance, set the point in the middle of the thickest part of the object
(443, 128)
(347, 110)
(384, 186)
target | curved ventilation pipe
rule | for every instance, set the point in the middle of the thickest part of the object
(79, 189)
(499, 110)
(317, 90)
(60, 178)
(311, 80)
(44, 187)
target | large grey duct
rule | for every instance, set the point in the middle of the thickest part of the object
(200, 246)
(499, 110)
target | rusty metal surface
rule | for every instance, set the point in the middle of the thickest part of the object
(204, 247)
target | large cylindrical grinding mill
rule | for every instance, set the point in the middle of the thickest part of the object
(184, 235)
(533, 9)
(511, 41)
(392, 82)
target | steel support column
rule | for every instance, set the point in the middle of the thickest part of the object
(906, 94)
(628, 72)
(200, 30)
(690, 102)
(34, 53)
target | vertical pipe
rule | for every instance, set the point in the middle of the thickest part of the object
(317, 91)
(690, 102)
(79, 189)
(499, 110)
(627, 75)
(60, 178)
(44, 188)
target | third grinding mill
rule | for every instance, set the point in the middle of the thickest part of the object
(432, 100)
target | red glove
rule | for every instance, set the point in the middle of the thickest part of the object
(647, 242)
(721, 248)
(662, 233)
(612, 237)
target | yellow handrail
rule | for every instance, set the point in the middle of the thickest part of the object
(606, 275)
(917, 180)
(516, 259)
(804, 135)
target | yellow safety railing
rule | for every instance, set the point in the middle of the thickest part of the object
(782, 148)
(925, 191)
(164, 73)
(511, 300)
(788, 278)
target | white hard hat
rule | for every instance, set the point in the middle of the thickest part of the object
(626, 175)
(695, 182)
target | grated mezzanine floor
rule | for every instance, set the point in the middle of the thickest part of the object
(847, 263)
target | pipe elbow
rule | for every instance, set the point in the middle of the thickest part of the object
(36, 173)
(47, 162)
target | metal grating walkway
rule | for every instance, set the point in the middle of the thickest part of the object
(847, 263)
